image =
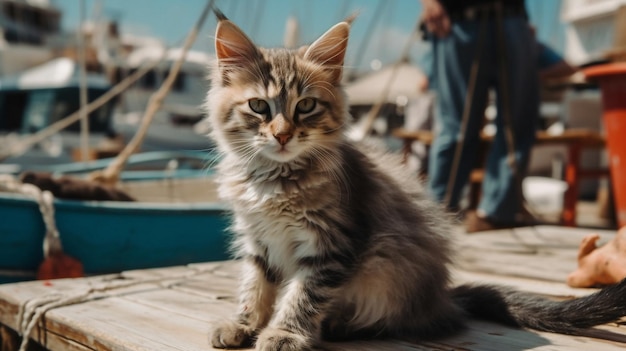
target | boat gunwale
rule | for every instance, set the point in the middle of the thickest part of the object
(112, 206)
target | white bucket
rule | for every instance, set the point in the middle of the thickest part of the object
(544, 195)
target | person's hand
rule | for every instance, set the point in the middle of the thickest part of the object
(435, 18)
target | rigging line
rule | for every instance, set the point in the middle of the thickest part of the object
(110, 175)
(555, 29)
(366, 38)
(373, 112)
(84, 117)
(231, 10)
(258, 14)
(304, 19)
(26, 143)
(343, 11)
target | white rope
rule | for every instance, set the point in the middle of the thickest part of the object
(31, 311)
(45, 200)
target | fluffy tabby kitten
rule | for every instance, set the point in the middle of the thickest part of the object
(337, 241)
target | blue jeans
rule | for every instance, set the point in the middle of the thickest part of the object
(452, 61)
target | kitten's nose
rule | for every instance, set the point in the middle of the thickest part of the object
(283, 138)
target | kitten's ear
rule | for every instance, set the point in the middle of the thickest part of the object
(232, 45)
(329, 50)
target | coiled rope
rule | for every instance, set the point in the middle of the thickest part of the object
(31, 311)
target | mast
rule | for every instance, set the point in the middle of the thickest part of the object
(84, 117)
(292, 33)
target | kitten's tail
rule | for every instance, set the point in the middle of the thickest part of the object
(521, 309)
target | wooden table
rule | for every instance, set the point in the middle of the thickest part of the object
(172, 308)
(576, 140)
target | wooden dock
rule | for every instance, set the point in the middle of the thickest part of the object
(172, 308)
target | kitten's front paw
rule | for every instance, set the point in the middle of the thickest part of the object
(231, 334)
(281, 340)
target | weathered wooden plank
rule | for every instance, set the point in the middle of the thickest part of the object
(173, 308)
(122, 325)
(14, 296)
(487, 336)
(9, 340)
(528, 239)
(543, 252)
(377, 346)
(539, 287)
(215, 287)
(61, 342)
(172, 320)
(230, 269)
(172, 301)
(166, 273)
(518, 266)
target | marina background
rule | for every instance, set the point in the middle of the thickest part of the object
(379, 33)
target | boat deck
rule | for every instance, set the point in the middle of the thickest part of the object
(172, 308)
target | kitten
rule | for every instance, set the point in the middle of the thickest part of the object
(337, 241)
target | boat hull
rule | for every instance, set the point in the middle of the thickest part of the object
(109, 237)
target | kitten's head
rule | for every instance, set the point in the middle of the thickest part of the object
(278, 104)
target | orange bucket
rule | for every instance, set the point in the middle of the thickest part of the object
(612, 81)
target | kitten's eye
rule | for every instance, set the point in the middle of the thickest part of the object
(305, 105)
(259, 106)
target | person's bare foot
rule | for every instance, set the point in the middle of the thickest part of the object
(600, 266)
(587, 245)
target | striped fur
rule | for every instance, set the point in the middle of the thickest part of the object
(337, 240)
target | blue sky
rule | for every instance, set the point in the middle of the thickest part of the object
(264, 21)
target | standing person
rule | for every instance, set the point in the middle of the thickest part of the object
(467, 34)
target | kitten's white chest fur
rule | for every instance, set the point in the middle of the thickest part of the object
(273, 216)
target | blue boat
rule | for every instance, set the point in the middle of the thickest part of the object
(108, 236)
